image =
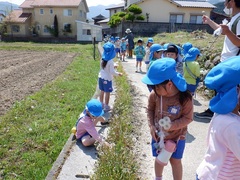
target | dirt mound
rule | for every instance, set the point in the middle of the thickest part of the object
(25, 72)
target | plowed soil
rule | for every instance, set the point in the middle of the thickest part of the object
(25, 72)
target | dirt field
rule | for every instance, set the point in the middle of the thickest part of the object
(25, 72)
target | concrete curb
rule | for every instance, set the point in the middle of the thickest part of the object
(57, 165)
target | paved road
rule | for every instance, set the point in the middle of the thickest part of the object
(75, 161)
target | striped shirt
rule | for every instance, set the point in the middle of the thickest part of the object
(222, 159)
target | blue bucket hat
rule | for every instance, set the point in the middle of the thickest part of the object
(192, 54)
(108, 51)
(94, 107)
(186, 47)
(154, 48)
(150, 40)
(162, 70)
(224, 78)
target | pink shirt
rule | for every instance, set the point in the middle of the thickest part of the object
(222, 159)
(86, 124)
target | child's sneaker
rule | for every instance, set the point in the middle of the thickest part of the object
(105, 123)
(140, 70)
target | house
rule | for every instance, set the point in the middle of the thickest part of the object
(2, 16)
(165, 16)
(112, 10)
(37, 18)
(174, 11)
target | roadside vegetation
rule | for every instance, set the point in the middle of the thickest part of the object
(34, 131)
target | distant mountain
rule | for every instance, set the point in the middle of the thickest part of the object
(215, 1)
(6, 7)
(96, 10)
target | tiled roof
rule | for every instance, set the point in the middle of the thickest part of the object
(27, 4)
(116, 6)
(18, 16)
(194, 4)
(53, 3)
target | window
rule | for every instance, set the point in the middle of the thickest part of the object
(46, 30)
(176, 18)
(86, 31)
(41, 11)
(81, 13)
(67, 27)
(51, 11)
(38, 27)
(15, 28)
(115, 11)
(67, 12)
(196, 19)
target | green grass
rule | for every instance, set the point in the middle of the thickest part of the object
(34, 131)
(119, 162)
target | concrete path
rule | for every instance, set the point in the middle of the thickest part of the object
(77, 162)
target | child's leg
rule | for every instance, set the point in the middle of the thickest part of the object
(140, 65)
(176, 168)
(87, 140)
(107, 97)
(101, 97)
(158, 169)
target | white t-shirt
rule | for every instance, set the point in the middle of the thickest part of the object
(222, 159)
(229, 49)
(108, 72)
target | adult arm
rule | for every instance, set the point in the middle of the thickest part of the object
(211, 23)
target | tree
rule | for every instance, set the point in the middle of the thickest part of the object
(134, 12)
(116, 19)
(55, 24)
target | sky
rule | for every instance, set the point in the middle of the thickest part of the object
(89, 2)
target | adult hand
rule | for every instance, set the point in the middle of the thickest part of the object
(206, 19)
(225, 29)
(120, 74)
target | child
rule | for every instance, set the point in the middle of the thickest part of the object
(156, 51)
(123, 48)
(106, 74)
(191, 69)
(147, 50)
(140, 53)
(173, 52)
(222, 159)
(117, 46)
(86, 131)
(168, 101)
(186, 46)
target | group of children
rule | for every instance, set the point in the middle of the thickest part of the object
(92, 114)
(185, 57)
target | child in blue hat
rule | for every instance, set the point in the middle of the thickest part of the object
(140, 53)
(106, 74)
(85, 126)
(186, 46)
(147, 49)
(191, 69)
(169, 111)
(174, 52)
(222, 159)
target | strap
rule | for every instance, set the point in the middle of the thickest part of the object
(190, 72)
(234, 25)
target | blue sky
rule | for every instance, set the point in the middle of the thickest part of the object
(89, 2)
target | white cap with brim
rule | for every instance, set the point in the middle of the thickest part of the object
(162, 70)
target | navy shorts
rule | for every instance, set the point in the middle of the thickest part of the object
(139, 59)
(178, 154)
(85, 134)
(105, 85)
(117, 50)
